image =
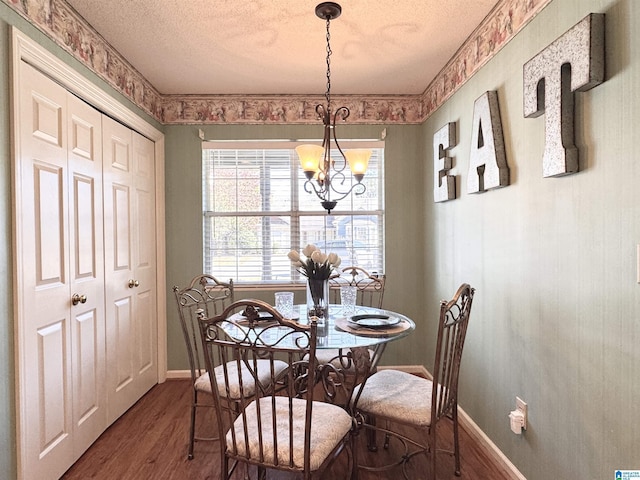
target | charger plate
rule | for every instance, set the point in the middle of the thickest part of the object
(373, 320)
(346, 325)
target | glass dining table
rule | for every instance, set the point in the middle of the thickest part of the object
(348, 346)
(365, 327)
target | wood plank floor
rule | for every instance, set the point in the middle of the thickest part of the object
(150, 442)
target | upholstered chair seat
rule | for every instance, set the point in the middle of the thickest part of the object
(203, 384)
(329, 425)
(398, 396)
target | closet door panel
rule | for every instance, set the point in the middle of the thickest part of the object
(122, 363)
(144, 323)
(47, 117)
(52, 357)
(122, 241)
(88, 377)
(50, 205)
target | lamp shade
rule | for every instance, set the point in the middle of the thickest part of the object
(358, 159)
(310, 156)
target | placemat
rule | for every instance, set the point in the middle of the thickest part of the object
(343, 324)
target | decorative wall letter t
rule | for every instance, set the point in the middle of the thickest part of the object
(488, 167)
(574, 62)
(444, 186)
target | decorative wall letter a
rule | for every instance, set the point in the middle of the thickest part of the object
(574, 62)
(487, 161)
(444, 186)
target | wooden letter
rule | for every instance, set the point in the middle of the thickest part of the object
(574, 62)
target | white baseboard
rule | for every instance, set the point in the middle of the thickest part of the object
(178, 374)
(492, 450)
(470, 427)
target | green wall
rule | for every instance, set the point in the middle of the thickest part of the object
(556, 314)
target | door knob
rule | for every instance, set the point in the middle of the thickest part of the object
(133, 283)
(76, 299)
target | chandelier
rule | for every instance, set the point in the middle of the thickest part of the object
(326, 177)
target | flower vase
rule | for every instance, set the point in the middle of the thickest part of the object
(318, 300)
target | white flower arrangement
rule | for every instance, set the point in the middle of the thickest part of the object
(315, 264)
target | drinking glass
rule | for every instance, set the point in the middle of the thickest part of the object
(348, 295)
(284, 303)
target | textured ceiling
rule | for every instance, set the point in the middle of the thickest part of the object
(264, 47)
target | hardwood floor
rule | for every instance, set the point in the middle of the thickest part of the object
(150, 442)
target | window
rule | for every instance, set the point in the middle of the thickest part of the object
(255, 210)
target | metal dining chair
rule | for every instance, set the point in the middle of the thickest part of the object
(282, 427)
(370, 293)
(205, 294)
(404, 399)
(370, 286)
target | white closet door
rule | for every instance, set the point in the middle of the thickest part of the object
(60, 364)
(45, 362)
(85, 269)
(129, 252)
(86, 272)
(144, 256)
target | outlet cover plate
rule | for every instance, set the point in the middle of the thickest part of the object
(522, 406)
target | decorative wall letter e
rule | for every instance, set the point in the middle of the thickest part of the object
(444, 186)
(488, 167)
(574, 62)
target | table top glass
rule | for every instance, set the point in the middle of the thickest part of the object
(332, 336)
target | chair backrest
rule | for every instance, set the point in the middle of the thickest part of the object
(370, 286)
(204, 293)
(452, 330)
(245, 346)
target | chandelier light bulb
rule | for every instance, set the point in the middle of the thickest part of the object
(310, 156)
(358, 159)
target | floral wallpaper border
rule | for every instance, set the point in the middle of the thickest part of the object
(59, 21)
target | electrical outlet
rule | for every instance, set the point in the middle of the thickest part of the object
(521, 406)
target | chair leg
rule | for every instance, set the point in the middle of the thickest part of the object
(432, 451)
(456, 443)
(225, 467)
(372, 445)
(387, 438)
(354, 455)
(192, 428)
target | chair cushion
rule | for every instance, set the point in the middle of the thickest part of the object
(397, 396)
(329, 425)
(202, 384)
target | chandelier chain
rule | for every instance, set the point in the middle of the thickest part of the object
(329, 52)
